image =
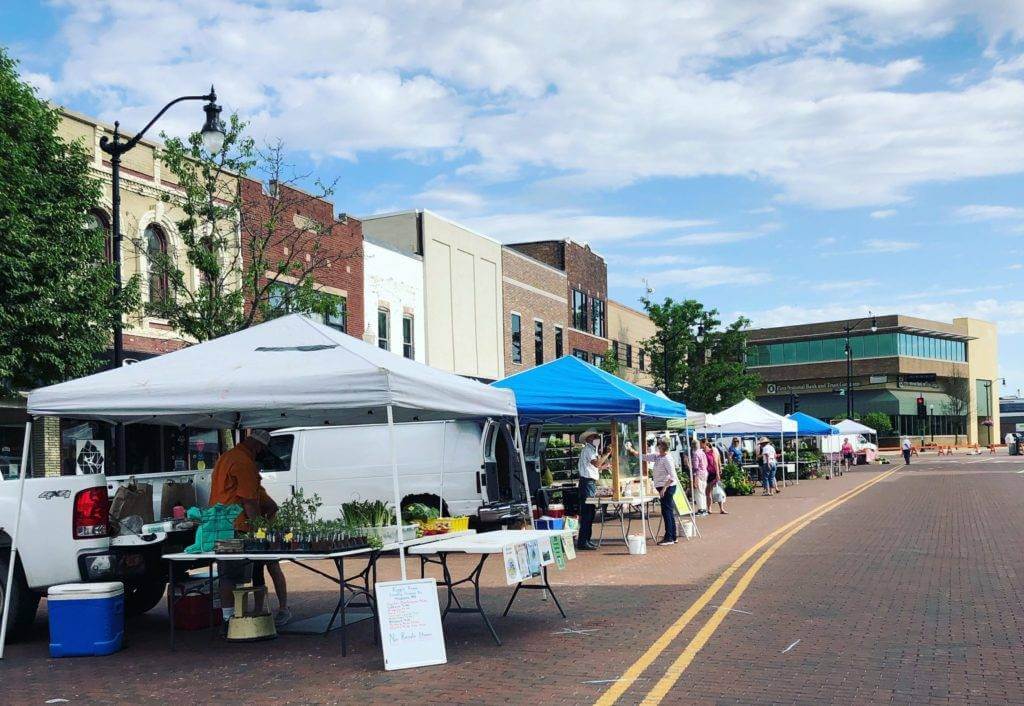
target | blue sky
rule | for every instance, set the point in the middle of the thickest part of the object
(790, 161)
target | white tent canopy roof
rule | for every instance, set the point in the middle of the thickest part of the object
(848, 426)
(747, 417)
(287, 372)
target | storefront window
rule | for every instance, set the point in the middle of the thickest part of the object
(12, 439)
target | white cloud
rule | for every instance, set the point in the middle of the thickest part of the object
(679, 89)
(1007, 314)
(458, 198)
(987, 212)
(694, 277)
(1015, 266)
(878, 245)
(576, 224)
(884, 213)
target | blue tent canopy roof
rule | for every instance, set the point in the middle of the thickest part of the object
(569, 390)
(807, 425)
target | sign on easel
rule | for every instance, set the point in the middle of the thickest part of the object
(410, 624)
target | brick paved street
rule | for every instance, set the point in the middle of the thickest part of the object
(910, 592)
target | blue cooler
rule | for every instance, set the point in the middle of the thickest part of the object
(86, 619)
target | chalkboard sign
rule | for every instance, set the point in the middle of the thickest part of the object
(410, 624)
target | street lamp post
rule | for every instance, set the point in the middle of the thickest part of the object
(849, 360)
(988, 388)
(116, 147)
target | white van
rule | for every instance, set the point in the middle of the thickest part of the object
(456, 466)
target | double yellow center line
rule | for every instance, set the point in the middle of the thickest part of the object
(676, 669)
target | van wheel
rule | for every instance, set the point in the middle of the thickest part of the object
(24, 601)
(140, 598)
(428, 500)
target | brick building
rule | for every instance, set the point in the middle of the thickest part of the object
(306, 229)
(535, 301)
(586, 293)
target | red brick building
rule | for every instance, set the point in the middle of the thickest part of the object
(308, 234)
(535, 309)
(586, 293)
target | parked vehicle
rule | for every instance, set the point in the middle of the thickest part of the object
(455, 466)
(65, 537)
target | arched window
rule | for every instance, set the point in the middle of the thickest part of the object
(156, 251)
(98, 221)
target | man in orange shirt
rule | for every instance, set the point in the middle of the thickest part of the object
(236, 481)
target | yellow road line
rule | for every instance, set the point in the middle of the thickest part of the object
(661, 688)
(654, 651)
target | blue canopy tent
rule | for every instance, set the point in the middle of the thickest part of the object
(571, 391)
(809, 426)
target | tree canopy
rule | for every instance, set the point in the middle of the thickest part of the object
(704, 366)
(58, 304)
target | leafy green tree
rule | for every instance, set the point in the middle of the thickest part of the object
(610, 362)
(58, 305)
(253, 259)
(697, 360)
(879, 421)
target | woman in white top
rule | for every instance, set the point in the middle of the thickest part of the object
(663, 473)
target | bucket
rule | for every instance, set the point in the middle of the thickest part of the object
(637, 544)
(688, 530)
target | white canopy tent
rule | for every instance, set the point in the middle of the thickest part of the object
(286, 372)
(848, 426)
(747, 418)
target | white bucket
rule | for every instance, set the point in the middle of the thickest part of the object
(688, 529)
(637, 544)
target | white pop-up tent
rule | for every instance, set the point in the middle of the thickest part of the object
(848, 426)
(286, 372)
(747, 418)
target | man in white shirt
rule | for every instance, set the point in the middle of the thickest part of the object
(907, 448)
(1011, 441)
(589, 467)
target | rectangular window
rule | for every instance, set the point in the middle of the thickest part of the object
(598, 360)
(408, 337)
(886, 344)
(581, 354)
(580, 319)
(615, 351)
(629, 355)
(640, 354)
(559, 342)
(281, 298)
(516, 325)
(338, 317)
(384, 328)
(538, 342)
(802, 351)
(814, 350)
(597, 307)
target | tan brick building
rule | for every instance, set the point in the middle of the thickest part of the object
(535, 308)
(628, 328)
(951, 367)
(587, 293)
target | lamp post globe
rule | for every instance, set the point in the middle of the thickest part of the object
(212, 132)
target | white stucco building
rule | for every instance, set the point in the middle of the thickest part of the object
(393, 299)
(461, 289)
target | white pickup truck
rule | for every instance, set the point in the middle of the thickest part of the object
(65, 538)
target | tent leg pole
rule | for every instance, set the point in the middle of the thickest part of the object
(14, 536)
(798, 458)
(398, 494)
(526, 478)
(642, 447)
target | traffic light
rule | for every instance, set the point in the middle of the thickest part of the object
(922, 411)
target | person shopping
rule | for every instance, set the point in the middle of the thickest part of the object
(714, 470)
(589, 467)
(663, 473)
(699, 462)
(769, 465)
(847, 453)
